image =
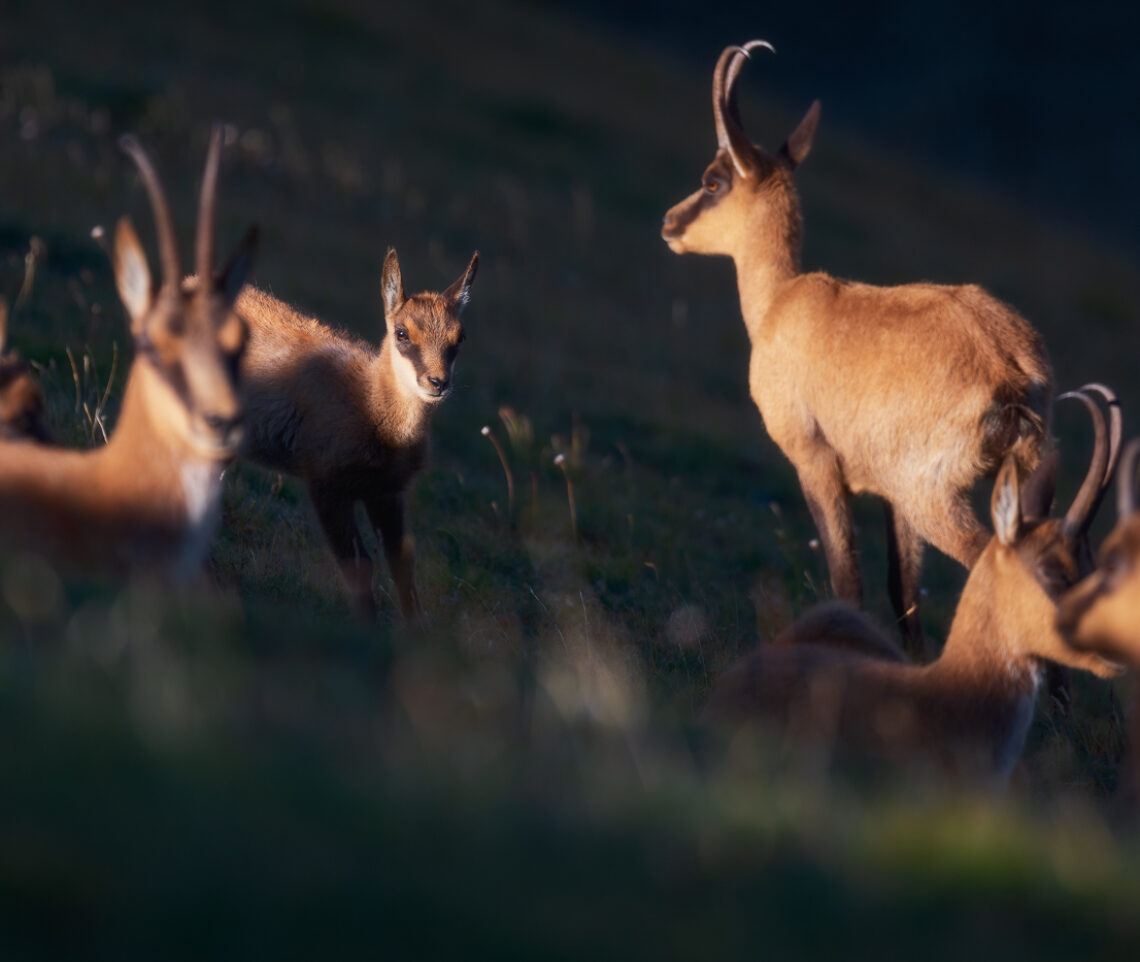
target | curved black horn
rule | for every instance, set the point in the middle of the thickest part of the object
(730, 134)
(1115, 432)
(734, 68)
(164, 225)
(1126, 482)
(204, 252)
(1080, 512)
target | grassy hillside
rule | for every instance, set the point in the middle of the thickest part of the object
(241, 767)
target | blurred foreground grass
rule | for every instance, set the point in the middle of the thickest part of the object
(241, 768)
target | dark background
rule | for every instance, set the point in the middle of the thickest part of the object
(1040, 102)
(238, 768)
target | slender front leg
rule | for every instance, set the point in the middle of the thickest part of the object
(335, 507)
(387, 513)
(826, 493)
(904, 562)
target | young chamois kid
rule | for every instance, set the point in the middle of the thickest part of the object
(968, 711)
(21, 399)
(912, 393)
(147, 500)
(352, 421)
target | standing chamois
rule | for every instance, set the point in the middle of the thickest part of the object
(969, 710)
(147, 500)
(912, 393)
(352, 421)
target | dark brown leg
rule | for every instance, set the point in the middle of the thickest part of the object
(387, 513)
(335, 508)
(904, 562)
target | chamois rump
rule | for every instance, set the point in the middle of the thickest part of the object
(967, 712)
(911, 393)
(351, 421)
(149, 499)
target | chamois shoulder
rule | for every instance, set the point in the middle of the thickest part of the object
(271, 319)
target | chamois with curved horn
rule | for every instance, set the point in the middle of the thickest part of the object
(912, 393)
(22, 415)
(1102, 613)
(350, 420)
(969, 710)
(148, 499)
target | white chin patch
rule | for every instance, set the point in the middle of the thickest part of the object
(202, 491)
(407, 375)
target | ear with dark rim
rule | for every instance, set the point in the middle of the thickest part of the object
(1005, 505)
(132, 274)
(798, 145)
(1038, 489)
(231, 279)
(391, 284)
(460, 292)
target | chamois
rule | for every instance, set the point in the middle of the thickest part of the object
(148, 499)
(912, 393)
(970, 709)
(1102, 613)
(352, 421)
(21, 399)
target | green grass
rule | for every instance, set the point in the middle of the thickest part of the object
(241, 768)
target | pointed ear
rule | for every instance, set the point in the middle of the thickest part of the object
(798, 145)
(231, 279)
(460, 292)
(132, 275)
(1005, 506)
(392, 284)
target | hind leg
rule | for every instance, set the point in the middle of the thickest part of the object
(904, 561)
(953, 528)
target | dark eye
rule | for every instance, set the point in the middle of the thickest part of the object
(401, 334)
(1054, 576)
(712, 186)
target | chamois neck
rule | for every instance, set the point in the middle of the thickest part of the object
(399, 408)
(140, 427)
(769, 253)
(978, 645)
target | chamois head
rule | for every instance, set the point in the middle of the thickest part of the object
(21, 400)
(188, 334)
(1032, 560)
(1102, 613)
(425, 329)
(746, 195)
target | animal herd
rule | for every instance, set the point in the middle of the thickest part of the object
(913, 393)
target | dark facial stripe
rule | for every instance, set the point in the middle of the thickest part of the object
(415, 355)
(173, 373)
(681, 221)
